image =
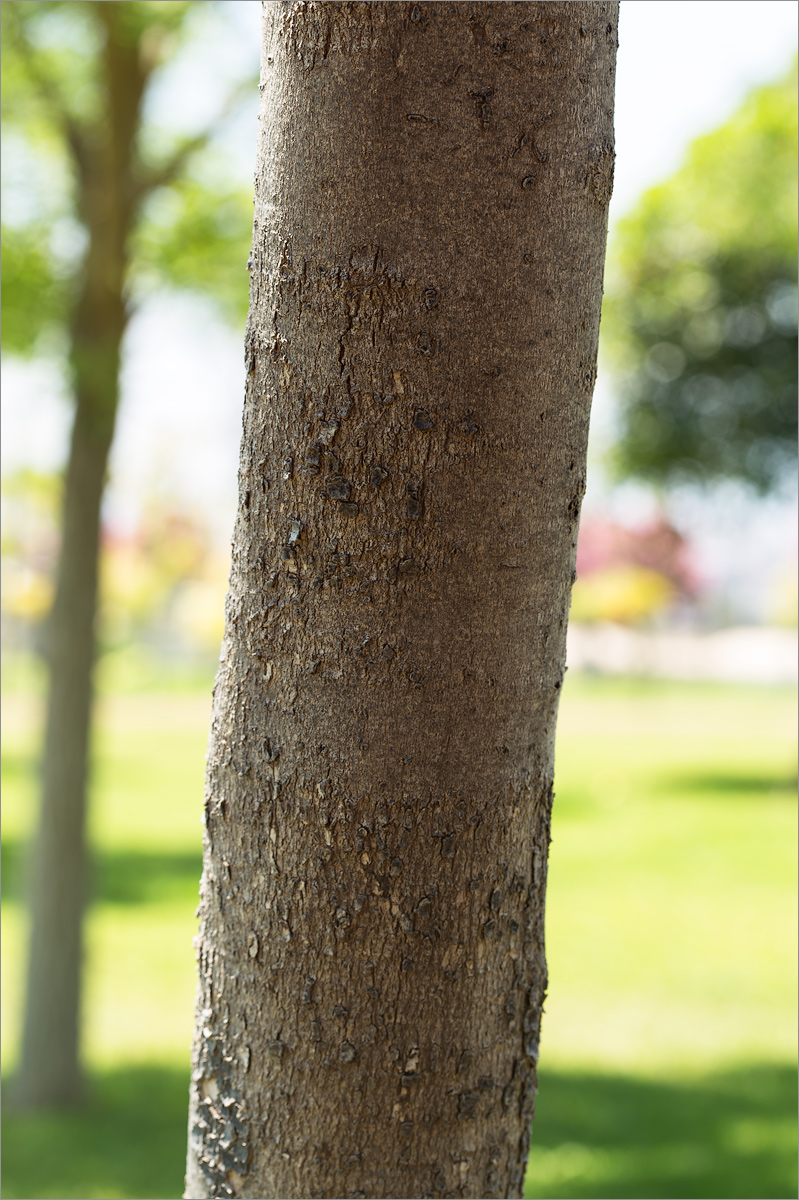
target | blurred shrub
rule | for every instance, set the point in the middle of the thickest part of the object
(631, 576)
(163, 583)
(29, 543)
(701, 312)
(624, 595)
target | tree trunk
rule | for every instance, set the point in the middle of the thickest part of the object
(50, 1070)
(430, 222)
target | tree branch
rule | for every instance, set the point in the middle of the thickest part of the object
(49, 93)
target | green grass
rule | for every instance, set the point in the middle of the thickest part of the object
(669, 1040)
(726, 1133)
(128, 1141)
(671, 921)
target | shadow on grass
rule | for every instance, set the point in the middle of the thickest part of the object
(129, 1140)
(119, 876)
(726, 1134)
(729, 1134)
(730, 785)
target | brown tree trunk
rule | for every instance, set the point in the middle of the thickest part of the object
(430, 224)
(50, 1069)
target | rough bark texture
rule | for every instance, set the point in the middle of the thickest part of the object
(430, 224)
(49, 1071)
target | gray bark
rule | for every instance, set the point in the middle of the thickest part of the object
(430, 222)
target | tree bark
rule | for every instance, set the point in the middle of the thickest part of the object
(50, 1068)
(431, 213)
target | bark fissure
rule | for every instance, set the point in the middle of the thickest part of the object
(421, 352)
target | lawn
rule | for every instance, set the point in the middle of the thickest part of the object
(669, 1044)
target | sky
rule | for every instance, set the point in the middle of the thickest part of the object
(683, 67)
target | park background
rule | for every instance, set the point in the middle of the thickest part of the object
(668, 1061)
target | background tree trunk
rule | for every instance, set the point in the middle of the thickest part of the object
(430, 225)
(49, 1071)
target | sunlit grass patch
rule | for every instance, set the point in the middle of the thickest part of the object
(671, 921)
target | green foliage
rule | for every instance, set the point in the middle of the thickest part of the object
(35, 294)
(195, 236)
(48, 53)
(701, 313)
(49, 50)
(194, 225)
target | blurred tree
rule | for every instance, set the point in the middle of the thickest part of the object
(630, 575)
(101, 204)
(701, 312)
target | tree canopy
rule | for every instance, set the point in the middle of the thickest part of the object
(701, 313)
(193, 216)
